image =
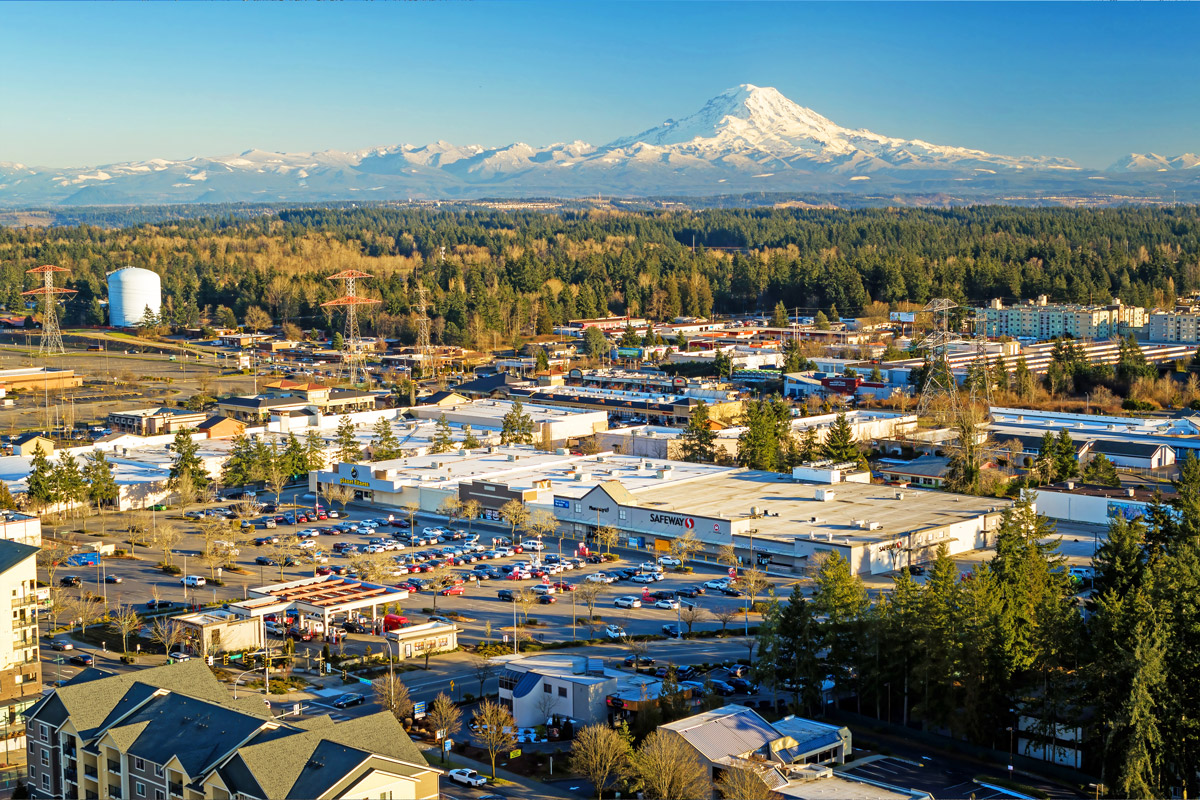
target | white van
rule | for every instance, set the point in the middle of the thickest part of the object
(192, 580)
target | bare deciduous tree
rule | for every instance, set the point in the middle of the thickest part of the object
(126, 621)
(588, 592)
(166, 633)
(690, 614)
(743, 784)
(601, 754)
(444, 716)
(494, 730)
(724, 615)
(392, 695)
(668, 769)
(485, 669)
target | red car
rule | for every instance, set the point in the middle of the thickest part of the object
(324, 570)
(563, 586)
(301, 518)
(304, 636)
(322, 515)
(449, 590)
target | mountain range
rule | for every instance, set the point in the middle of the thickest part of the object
(746, 139)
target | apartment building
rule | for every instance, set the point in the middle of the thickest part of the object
(20, 668)
(1040, 319)
(1181, 326)
(174, 733)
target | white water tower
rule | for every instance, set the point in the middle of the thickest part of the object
(131, 290)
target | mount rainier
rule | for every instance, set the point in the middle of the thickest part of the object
(746, 139)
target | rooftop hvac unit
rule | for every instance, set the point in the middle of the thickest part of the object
(665, 472)
(562, 451)
(859, 523)
(829, 536)
(899, 495)
(754, 511)
(512, 456)
(583, 476)
(824, 495)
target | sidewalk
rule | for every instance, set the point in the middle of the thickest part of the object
(534, 789)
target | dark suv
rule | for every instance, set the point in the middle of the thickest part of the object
(506, 594)
(70, 580)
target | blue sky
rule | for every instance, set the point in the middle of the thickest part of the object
(95, 83)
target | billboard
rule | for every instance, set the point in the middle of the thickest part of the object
(903, 316)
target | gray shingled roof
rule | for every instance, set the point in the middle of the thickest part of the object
(13, 553)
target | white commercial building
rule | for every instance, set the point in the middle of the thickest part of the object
(550, 423)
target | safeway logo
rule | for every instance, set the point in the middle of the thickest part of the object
(689, 523)
(671, 519)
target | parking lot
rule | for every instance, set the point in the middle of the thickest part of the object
(475, 602)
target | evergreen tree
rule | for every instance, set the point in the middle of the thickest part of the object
(1131, 362)
(787, 655)
(69, 479)
(516, 427)
(1023, 380)
(470, 440)
(595, 343)
(939, 637)
(722, 364)
(314, 451)
(542, 361)
(295, 462)
(1101, 471)
(1065, 464)
(1045, 464)
(698, 442)
(841, 598)
(188, 476)
(1000, 374)
(7, 501)
(839, 442)
(443, 441)
(793, 359)
(779, 317)
(810, 446)
(766, 424)
(1120, 562)
(97, 473)
(41, 488)
(348, 450)
(241, 467)
(821, 321)
(384, 444)
(630, 338)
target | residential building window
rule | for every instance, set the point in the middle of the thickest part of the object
(46, 782)
(45, 731)
(546, 688)
(140, 788)
(139, 764)
(158, 770)
(45, 757)
(158, 795)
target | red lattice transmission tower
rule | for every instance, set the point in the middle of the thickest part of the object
(350, 301)
(51, 341)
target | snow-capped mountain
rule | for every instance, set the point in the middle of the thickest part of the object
(746, 139)
(1152, 162)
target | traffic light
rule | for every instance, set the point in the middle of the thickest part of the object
(345, 675)
(225, 659)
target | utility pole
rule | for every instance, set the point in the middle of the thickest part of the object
(353, 358)
(51, 341)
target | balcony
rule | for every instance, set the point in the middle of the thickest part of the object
(114, 766)
(89, 771)
(71, 775)
(114, 791)
(176, 789)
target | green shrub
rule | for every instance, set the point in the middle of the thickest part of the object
(172, 569)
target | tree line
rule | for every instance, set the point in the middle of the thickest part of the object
(500, 275)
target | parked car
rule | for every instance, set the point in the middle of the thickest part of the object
(159, 605)
(743, 686)
(672, 630)
(70, 580)
(467, 777)
(266, 561)
(547, 599)
(614, 631)
(302, 635)
(690, 591)
(718, 584)
(732, 591)
(641, 661)
(595, 558)
(669, 561)
(506, 594)
(347, 700)
(449, 590)
(563, 586)
(193, 580)
(350, 626)
(265, 540)
(179, 655)
(533, 544)
(667, 604)
(629, 601)
(722, 688)
(644, 578)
